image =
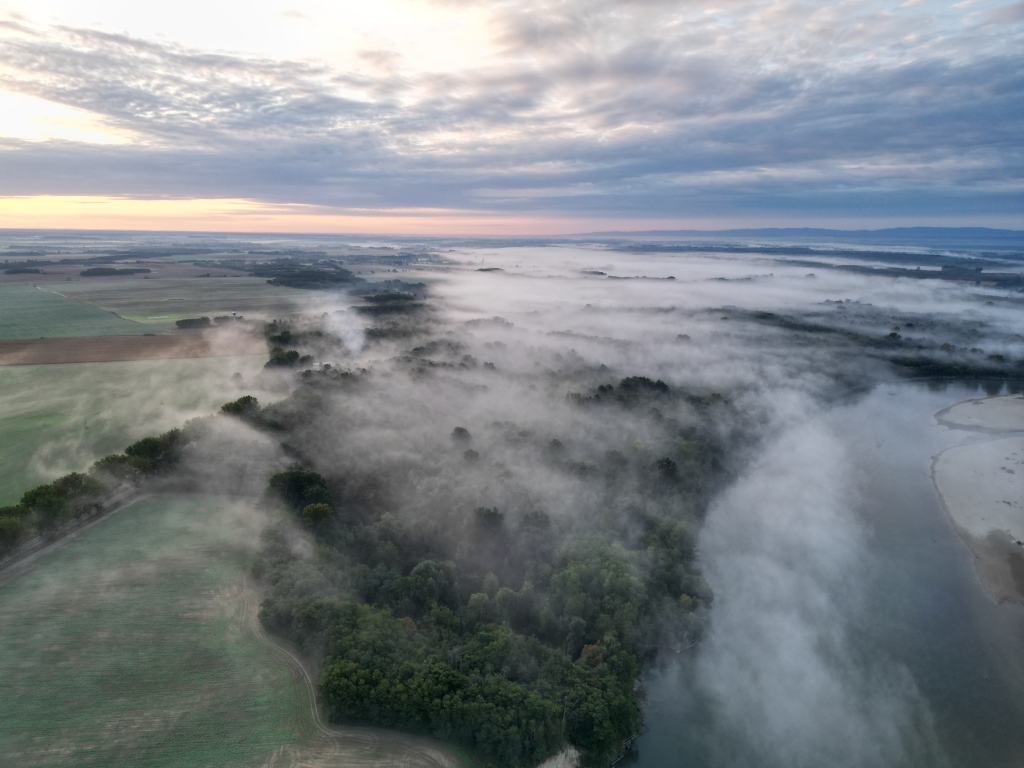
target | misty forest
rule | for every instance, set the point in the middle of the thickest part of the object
(525, 500)
(511, 384)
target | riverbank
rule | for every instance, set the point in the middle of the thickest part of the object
(994, 415)
(981, 486)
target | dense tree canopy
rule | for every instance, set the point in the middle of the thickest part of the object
(511, 635)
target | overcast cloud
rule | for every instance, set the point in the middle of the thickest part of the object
(649, 108)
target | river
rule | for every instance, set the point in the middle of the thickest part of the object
(873, 642)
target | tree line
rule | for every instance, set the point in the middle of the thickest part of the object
(44, 509)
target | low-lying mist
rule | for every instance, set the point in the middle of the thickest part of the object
(545, 469)
(788, 559)
(510, 391)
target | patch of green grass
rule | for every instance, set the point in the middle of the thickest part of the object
(56, 419)
(27, 312)
(133, 647)
(161, 301)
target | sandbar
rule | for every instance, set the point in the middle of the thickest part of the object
(982, 490)
(986, 414)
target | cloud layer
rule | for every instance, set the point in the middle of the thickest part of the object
(645, 109)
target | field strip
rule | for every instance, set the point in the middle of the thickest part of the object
(28, 312)
(124, 648)
(105, 349)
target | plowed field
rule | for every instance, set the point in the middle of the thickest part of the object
(102, 349)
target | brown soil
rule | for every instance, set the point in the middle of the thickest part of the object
(103, 349)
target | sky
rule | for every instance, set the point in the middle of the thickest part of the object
(510, 117)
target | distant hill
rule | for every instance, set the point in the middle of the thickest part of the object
(978, 236)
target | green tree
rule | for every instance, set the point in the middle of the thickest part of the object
(246, 406)
(13, 531)
(298, 487)
(314, 514)
(157, 454)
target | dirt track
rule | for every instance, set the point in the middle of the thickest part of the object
(104, 349)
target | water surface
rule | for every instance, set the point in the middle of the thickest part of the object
(922, 665)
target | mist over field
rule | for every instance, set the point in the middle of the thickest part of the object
(521, 338)
(518, 384)
(696, 440)
(783, 548)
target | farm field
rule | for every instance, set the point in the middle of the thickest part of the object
(128, 648)
(102, 349)
(60, 418)
(27, 312)
(63, 273)
(161, 301)
(137, 645)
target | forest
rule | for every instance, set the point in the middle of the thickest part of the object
(514, 636)
(437, 592)
(503, 623)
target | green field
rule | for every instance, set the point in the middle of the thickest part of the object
(27, 312)
(132, 647)
(56, 419)
(164, 300)
(137, 645)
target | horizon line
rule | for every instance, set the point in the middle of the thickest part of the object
(599, 233)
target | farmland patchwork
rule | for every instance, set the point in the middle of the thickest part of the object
(27, 312)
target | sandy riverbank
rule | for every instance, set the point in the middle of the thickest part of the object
(982, 490)
(988, 414)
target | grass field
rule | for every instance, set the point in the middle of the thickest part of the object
(129, 648)
(137, 645)
(56, 419)
(27, 312)
(161, 301)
